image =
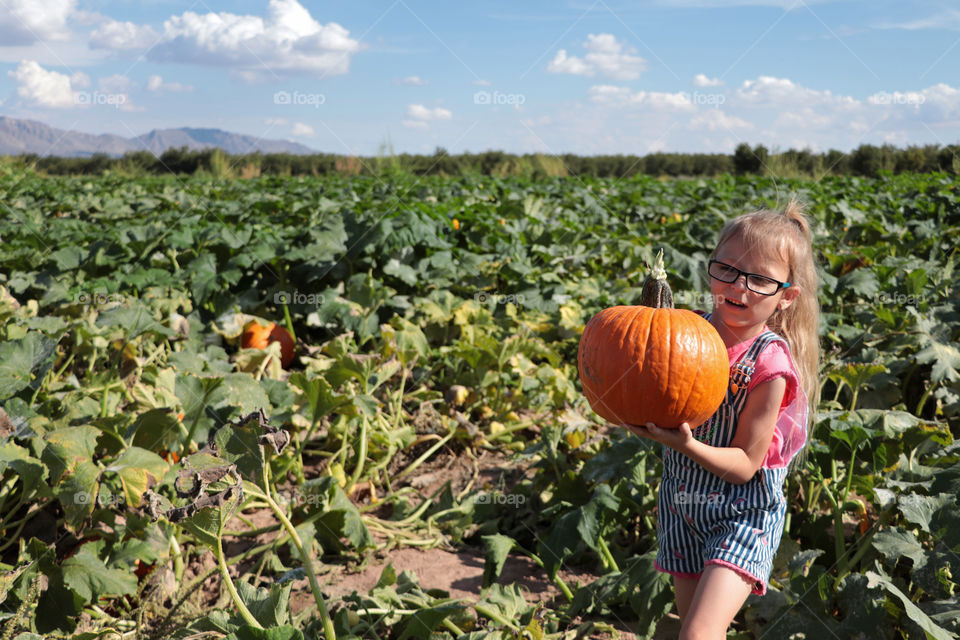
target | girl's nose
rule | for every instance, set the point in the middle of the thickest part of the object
(736, 284)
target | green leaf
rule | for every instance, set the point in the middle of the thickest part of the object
(932, 630)
(244, 391)
(24, 361)
(270, 607)
(277, 633)
(919, 509)
(86, 574)
(77, 493)
(422, 623)
(497, 548)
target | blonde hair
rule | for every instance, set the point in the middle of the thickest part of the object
(786, 235)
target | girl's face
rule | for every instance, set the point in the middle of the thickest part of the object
(739, 313)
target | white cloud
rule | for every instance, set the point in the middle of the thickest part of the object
(947, 19)
(769, 91)
(275, 122)
(422, 113)
(23, 22)
(701, 80)
(156, 83)
(605, 56)
(285, 41)
(123, 36)
(79, 80)
(412, 81)
(301, 130)
(625, 97)
(716, 120)
(482, 83)
(41, 87)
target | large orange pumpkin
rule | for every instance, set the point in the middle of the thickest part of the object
(258, 336)
(653, 363)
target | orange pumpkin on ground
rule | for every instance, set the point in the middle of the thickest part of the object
(653, 363)
(258, 336)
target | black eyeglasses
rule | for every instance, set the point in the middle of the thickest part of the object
(755, 282)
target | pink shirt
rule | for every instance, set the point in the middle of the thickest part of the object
(791, 428)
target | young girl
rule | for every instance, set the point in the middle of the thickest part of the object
(721, 504)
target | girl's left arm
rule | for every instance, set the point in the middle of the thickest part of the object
(741, 460)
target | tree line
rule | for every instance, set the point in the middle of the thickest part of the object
(865, 160)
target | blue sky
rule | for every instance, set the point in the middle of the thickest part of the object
(588, 77)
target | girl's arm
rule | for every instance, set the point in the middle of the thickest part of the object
(741, 460)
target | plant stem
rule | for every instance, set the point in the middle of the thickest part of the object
(838, 541)
(329, 632)
(606, 556)
(231, 589)
(361, 456)
(493, 615)
(426, 454)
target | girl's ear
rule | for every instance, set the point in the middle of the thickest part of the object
(789, 295)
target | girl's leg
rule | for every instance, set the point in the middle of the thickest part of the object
(718, 597)
(684, 588)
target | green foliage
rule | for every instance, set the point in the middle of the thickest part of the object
(122, 303)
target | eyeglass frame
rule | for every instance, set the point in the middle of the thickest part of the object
(746, 279)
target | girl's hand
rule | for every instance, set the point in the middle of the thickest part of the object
(677, 438)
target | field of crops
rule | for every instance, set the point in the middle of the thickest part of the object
(161, 481)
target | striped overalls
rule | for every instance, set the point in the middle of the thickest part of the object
(704, 519)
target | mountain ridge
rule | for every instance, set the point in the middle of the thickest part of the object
(19, 136)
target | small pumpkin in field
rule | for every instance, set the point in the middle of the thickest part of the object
(653, 363)
(258, 336)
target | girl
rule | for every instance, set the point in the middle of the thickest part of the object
(721, 504)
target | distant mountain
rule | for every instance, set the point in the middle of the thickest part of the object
(30, 136)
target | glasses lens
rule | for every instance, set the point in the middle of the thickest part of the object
(723, 272)
(759, 284)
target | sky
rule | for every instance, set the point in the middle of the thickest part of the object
(588, 77)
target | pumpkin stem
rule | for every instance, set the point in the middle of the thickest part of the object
(656, 292)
